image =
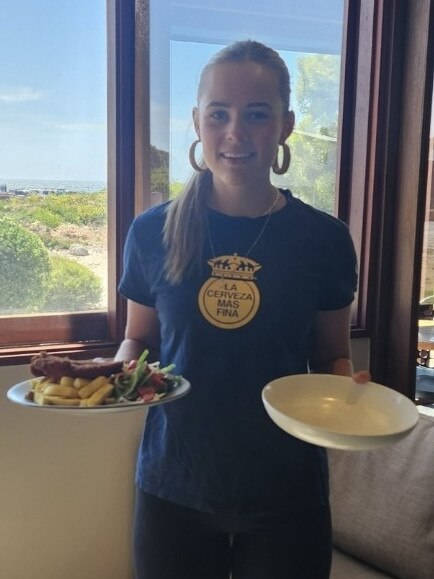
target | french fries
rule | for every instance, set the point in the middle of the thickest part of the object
(71, 391)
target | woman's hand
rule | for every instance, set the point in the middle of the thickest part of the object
(362, 376)
(331, 351)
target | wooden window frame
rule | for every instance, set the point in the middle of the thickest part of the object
(386, 216)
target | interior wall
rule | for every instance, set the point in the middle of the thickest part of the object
(66, 490)
(67, 487)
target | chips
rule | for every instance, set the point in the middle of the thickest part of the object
(71, 391)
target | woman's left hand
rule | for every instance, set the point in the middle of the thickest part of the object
(362, 376)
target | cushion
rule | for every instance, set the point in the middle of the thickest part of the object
(383, 504)
(345, 567)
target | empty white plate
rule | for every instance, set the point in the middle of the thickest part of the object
(336, 412)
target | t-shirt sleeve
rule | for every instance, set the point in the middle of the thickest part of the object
(134, 284)
(340, 273)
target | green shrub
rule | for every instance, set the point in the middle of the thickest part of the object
(78, 208)
(24, 268)
(53, 210)
(73, 287)
(46, 217)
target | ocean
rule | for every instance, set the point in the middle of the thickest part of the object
(52, 185)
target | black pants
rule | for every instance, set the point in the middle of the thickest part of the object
(175, 542)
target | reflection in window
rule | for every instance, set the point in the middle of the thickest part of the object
(307, 35)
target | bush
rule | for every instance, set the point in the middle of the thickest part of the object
(46, 217)
(53, 210)
(78, 208)
(25, 268)
(73, 287)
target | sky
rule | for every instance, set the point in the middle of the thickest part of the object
(53, 90)
(53, 104)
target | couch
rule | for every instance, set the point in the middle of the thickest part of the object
(382, 505)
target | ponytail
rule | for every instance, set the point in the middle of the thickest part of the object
(185, 227)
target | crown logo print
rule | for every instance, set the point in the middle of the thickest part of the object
(234, 267)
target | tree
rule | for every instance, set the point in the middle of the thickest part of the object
(160, 171)
(25, 269)
(312, 173)
(72, 287)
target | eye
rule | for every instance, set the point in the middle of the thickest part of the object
(257, 115)
(218, 115)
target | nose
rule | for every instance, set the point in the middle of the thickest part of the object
(236, 129)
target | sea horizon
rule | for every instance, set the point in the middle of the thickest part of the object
(53, 185)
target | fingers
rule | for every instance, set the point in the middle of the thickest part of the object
(362, 376)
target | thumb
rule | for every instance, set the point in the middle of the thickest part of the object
(362, 376)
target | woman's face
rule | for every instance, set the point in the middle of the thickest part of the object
(240, 120)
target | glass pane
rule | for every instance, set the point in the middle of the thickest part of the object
(308, 35)
(425, 358)
(53, 138)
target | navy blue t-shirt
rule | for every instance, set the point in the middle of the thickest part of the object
(230, 328)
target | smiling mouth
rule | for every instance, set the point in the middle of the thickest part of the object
(237, 156)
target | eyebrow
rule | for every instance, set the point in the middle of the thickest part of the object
(227, 105)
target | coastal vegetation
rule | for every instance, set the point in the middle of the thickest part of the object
(46, 214)
(25, 266)
(33, 230)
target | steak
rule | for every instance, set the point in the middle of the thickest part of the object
(54, 367)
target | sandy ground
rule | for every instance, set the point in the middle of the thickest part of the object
(97, 262)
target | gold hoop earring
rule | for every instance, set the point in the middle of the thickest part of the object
(192, 158)
(281, 169)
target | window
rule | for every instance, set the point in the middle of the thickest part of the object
(57, 198)
(53, 173)
(308, 36)
(394, 181)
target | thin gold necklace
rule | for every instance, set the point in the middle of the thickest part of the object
(267, 214)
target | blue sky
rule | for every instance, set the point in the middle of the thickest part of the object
(53, 90)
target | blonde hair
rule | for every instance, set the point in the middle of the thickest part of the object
(185, 226)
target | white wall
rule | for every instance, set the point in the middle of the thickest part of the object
(67, 488)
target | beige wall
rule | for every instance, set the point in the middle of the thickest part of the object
(66, 490)
(67, 487)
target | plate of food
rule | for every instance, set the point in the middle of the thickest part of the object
(84, 386)
(336, 412)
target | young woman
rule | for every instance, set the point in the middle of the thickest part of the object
(237, 283)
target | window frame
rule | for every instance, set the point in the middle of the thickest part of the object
(383, 174)
(397, 185)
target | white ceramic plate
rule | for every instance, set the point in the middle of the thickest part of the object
(18, 394)
(335, 412)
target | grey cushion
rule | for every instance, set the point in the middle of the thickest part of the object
(346, 567)
(383, 504)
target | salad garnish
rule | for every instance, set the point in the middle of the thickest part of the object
(144, 382)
